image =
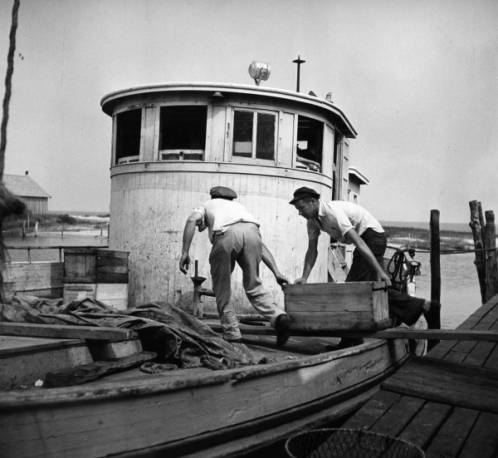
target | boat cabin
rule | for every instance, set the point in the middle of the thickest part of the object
(172, 142)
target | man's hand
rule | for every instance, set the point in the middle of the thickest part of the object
(281, 280)
(382, 276)
(184, 263)
(300, 281)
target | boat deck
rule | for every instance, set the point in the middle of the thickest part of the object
(446, 402)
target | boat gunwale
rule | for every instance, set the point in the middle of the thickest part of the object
(25, 399)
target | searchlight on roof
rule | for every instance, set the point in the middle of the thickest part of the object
(259, 71)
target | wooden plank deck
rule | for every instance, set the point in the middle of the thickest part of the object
(446, 402)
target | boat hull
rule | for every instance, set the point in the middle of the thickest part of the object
(203, 413)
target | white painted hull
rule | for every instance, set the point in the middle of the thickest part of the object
(207, 413)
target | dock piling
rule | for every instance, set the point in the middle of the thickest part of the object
(477, 225)
(490, 255)
(435, 258)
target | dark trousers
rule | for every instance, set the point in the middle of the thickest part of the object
(405, 308)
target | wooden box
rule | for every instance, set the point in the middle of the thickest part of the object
(78, 291)
(113, 294)
(338, 306)
(112, 266)
(80, 265)
(95, 265)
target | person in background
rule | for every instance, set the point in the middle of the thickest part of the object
(350, 223)
(235, 237)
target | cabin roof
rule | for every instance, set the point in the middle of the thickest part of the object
(24, 186)
(358, 175)
(108, 100)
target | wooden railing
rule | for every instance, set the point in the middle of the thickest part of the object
(60, 249)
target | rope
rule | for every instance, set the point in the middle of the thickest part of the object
(8, 85)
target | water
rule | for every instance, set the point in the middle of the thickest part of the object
(460, 293)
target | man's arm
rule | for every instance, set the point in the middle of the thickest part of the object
(310, 258)
(188, 234)
(367, 254)
(269, 260)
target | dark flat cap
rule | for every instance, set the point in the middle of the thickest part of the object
(222, 192)
(301, 193)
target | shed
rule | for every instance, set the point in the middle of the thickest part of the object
(172, 142)
(29, 191)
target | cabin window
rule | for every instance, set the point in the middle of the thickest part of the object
(183, 132)
(254, 135)
(309, 144)
(129, 125)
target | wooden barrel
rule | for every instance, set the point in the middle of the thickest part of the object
(111, 266)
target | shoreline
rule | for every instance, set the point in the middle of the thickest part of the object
(421, 238)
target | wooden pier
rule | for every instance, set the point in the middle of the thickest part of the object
(446, 402)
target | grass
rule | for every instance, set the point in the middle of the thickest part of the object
(421, 238)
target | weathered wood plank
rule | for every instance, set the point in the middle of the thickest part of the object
(13, 345)
(372, 410)
(57, 331)
(449, 383)
(479, 354)
(92, 371)
(450, 438)
(483, 439)
(459, 352)
(23, 360)
(336, 321)
(442, 334)
(426, 423)
(492, 361)
(398, 416)
(442, 349)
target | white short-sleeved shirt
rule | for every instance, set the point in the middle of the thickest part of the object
(219, 214)
(337, 217)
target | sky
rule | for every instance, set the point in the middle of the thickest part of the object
(418, 79)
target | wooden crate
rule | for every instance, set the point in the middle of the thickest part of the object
(80, 265)
(79, 291)
(95, 265)
(113, 294)
(112, 266)
(338, 306)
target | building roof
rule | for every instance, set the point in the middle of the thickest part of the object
(24, 186)
(353, 171)
(331, 109)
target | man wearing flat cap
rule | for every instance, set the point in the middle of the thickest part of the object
(350, 223)
(234, 234)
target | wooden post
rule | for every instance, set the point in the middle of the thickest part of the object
(476, 224)
(435, 270)
(490, 256)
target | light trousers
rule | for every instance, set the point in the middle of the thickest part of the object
(240, 243)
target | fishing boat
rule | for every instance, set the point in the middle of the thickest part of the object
(195, 412)
(171, 142)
